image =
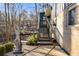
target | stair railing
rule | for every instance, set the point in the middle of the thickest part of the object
(49, 25)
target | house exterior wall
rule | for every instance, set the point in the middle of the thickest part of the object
(67, 35)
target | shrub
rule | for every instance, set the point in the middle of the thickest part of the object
(32, 39)
(2, 50)
(0, 33)
(9, 47)
(22, 31)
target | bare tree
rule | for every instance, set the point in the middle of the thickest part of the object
(36, 15)
(9, 16)
(6, 20)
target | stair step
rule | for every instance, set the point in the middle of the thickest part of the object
(43, 26)
(44, 42)
(44, 38)
(43, 35)
(43, 30)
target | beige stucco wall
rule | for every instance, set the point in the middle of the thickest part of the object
(69, 38)
(75, 40)
(64, 38)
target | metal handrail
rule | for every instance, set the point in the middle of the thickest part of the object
(49, 24)
(54, 29)
(58, 32)
(51, 28)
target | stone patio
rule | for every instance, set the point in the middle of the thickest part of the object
(40, 50)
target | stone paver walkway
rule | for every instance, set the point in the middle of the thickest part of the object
(40, 50)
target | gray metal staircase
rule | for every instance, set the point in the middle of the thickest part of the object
(44, 33)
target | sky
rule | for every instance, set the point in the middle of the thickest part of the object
(1, 7)
(30, 7)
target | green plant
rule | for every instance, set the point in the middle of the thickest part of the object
(9, 47)
(32, 39)
(2, 50)
(22, 31)
(1, 33)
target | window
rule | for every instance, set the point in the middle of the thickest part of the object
(72, 17)
(65, 5)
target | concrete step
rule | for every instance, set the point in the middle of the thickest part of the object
(43, 35)
(43, 31)
(43, 26)
(23, 42)
(44, 43)
(44, 39)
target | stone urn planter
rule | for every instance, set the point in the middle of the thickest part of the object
(48, 12)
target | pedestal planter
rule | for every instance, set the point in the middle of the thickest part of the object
(48, 12)
(18, 44)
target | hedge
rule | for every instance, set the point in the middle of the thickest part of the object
(9, 47)
(5, 48)
(2, 50)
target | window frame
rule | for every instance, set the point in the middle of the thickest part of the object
(71, 17)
